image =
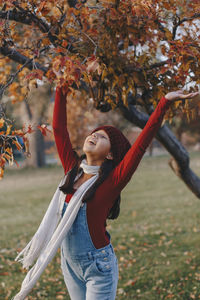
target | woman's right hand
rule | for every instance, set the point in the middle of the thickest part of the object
(179, 95)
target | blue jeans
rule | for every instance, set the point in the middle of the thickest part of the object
(89, 273)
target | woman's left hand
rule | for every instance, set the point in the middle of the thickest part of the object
(179, 95)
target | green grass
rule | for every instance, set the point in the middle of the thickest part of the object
(156, 237)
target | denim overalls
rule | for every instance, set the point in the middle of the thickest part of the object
(89, 273)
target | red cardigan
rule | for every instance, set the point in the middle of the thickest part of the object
(98, 208)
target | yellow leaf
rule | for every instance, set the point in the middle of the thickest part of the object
(8, 129)
(9, 151)
(104, 73)
(177, 103)
(168, 34)
(1, 122)
(188, 116)
(7, 157)
(195, 229)
(13, 86)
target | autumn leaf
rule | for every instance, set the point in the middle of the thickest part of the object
(7, 156)
(37, 74)
(1, 122)
(115, 48)
(26, 144)
(9, 151)
(30, 129)
(130, 282)
(18, 132)
(43, 128)
(93, 65)
(1, 172)
(8, 129)
(17, 144)
(64, 43)
(16, 163)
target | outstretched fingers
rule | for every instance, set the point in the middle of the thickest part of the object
(188, 96)
(180, 95)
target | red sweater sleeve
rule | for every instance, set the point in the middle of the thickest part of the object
(64, 147)
(123, 172)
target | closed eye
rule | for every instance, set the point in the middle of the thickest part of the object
(100, 135)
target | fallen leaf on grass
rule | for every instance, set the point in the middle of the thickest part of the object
(122, 247)
(59, 297)
(170, 296)
(120, 291)
(134, 214)
(4, 273)
(130, 283)
(132, 239)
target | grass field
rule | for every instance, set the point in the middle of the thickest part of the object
(156, 237)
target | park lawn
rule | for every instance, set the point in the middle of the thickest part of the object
(156, 237)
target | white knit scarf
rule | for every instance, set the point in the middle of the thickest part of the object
(52, 231)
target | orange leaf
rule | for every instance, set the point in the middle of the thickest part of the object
(18, 132)
(9, 151)
(1, 122)
(17, 144)
(1, 172)
(2, 160)
(8, 157)
(64, 43)
(8, 129)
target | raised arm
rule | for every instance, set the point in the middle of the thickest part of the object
(64, 147)
(123, 172)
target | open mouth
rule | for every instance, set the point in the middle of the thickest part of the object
(92, 143)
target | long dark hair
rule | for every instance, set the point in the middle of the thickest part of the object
(106, 167)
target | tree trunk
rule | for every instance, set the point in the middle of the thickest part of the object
(36, 139)
(180, 161)
(40, 149)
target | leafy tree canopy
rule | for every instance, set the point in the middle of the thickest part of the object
(109, 49)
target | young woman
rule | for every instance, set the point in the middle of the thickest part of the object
(89, 264)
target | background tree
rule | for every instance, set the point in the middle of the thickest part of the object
(81, 117)
(127, 54)
(34, 111)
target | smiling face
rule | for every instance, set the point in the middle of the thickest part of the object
(97, 147)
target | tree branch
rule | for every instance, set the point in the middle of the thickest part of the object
(26, 62)
(131, 68)
(28, 18)
(177, 24)
(21, 59)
